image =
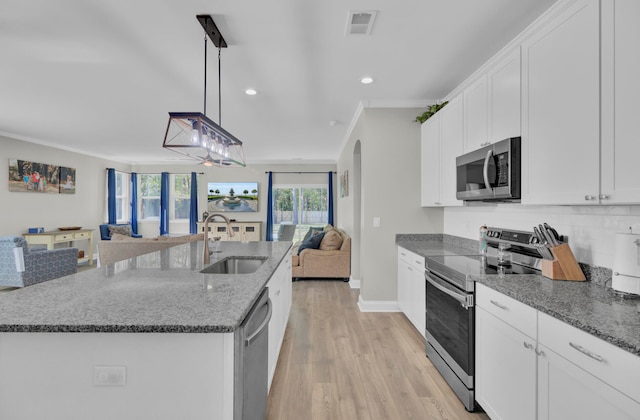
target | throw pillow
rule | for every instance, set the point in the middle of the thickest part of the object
(311, 231)
(327, 228)
(117, 237)
(313, 242)
(332, 240)
(120, 229)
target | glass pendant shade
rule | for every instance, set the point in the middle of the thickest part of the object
(194, 135)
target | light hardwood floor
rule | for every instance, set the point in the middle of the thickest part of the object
(338, 363)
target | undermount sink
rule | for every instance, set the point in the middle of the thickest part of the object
(235, 265)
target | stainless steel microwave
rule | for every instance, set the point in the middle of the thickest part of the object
(491, 173)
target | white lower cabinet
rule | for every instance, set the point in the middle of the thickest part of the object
(412, 288)
(505, 356)
(280, 295)
(530, 365)
(569, 392)
(583, 377)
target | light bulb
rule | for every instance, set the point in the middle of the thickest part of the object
(195, 135)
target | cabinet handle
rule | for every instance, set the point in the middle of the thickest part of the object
(527, 345)
(418, 262)
(437, 203)
(589, 197)
(278, 292)
(540, 353)
(504, 308)
(587, 352)
(604, 197)
(410, 269)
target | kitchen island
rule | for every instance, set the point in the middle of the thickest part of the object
(148, 337)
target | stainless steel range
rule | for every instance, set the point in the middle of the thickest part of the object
(450, 308)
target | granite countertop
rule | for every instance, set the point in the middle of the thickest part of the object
(437, 244)
(587, 306)
(160, 292)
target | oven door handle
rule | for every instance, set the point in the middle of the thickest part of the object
(466, 301)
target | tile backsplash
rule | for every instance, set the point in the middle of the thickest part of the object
(591, 229)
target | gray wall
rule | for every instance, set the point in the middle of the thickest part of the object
(390, 190)
(22, 210)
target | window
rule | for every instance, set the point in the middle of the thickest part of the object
(304, 206)
(122, 196)
(149, 193)
(181, 197)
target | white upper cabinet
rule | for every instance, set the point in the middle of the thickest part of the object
(442, 137)
(430, 164)
(561, 108)
(476, 115)
(492, 104)
(504, 98)
(620, 182)
(451, 137)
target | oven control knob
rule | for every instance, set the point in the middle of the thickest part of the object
(533, 240)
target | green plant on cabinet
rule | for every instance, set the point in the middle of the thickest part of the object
(432, 109)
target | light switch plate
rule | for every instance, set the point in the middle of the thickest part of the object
(376, 222)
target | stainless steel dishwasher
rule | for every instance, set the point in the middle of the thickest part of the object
(251, 360)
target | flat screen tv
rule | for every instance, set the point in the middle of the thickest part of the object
(232, 196)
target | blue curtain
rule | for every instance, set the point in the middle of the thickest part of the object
(164, 203)
(111, 195)
(193, 209)
(134, 203)
(269, 236)
(330, 198)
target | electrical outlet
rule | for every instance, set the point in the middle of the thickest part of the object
(109, 375)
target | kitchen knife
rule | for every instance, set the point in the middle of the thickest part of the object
(554, 234)
(547, 235)
(541, 246)
(538, 235)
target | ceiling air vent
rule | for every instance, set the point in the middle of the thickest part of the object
(360, 22)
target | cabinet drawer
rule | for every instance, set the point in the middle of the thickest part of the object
(611, 364)
(64, 237)
(81, 235)
(509, 310)
(411, 258)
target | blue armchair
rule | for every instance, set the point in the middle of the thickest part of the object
(105, 234)
(20, 267)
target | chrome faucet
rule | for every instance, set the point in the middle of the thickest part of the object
(206, 259)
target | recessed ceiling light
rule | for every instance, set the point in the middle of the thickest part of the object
(366, 80)
(251, 92)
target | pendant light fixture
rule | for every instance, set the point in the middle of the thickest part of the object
(196, 136)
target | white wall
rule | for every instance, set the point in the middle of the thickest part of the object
(390, 149)
(591, 229)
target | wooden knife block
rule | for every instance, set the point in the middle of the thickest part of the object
(564, 266)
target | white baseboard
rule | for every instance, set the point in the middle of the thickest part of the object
(354, 283)
(378, 306)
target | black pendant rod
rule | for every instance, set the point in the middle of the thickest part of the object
(205, 74)
(219, 89)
